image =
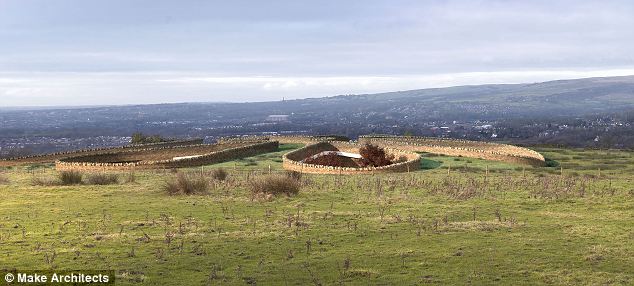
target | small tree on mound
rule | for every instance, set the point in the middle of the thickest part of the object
(375, 156)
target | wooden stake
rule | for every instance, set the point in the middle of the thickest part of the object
(561, 170)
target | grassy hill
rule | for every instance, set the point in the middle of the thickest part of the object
(450, 223)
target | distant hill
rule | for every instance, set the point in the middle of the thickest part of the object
(577, 96)
(344, 114)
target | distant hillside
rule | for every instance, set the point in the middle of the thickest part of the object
(350, 115)
(599, 89)
(578, 96)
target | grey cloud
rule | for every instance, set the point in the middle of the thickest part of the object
(326, 39)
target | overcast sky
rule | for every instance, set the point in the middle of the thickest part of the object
(83, 52)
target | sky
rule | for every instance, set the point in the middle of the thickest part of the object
(89, 52)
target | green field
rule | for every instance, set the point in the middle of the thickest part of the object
(450, 223)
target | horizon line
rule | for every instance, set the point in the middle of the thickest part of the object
(88, 106)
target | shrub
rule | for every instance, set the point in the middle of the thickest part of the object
(551, 163)
(103, 179)
(186, 185)
(43, 181)
(275, 185)
(375, 156)
(70, 177)
(294, 175)
(140, 138)
(219, 174)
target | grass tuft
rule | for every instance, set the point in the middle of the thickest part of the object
(183, 184)
(103, 179)
(219, 174)
(294, 175)
(275, 185)
(68, 178)
(43, 181)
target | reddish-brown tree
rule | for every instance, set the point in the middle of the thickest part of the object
(375, 156)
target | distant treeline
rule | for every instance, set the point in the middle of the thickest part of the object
(140, 138)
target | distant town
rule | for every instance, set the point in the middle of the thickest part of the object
(583, 113)
(44, 131)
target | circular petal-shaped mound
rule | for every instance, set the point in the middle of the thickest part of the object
(293, 161)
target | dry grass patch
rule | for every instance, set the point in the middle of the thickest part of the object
(103, 179)
(184, 184)
(273, 185)
(294, 175)
(479, 225)
(597, 254)
(582, 230)
(4, 179)
(365, 273)
(561, 214)
(219, 174)
(67, 178)
(43, 181)
(129, 178)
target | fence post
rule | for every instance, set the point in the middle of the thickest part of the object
(561, 171)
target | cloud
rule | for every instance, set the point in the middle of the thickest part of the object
(138, 88)
(165, 51)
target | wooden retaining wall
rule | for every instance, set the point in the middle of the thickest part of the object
(464, 148)
(283, 139)
(223, 155)
(52, 157)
